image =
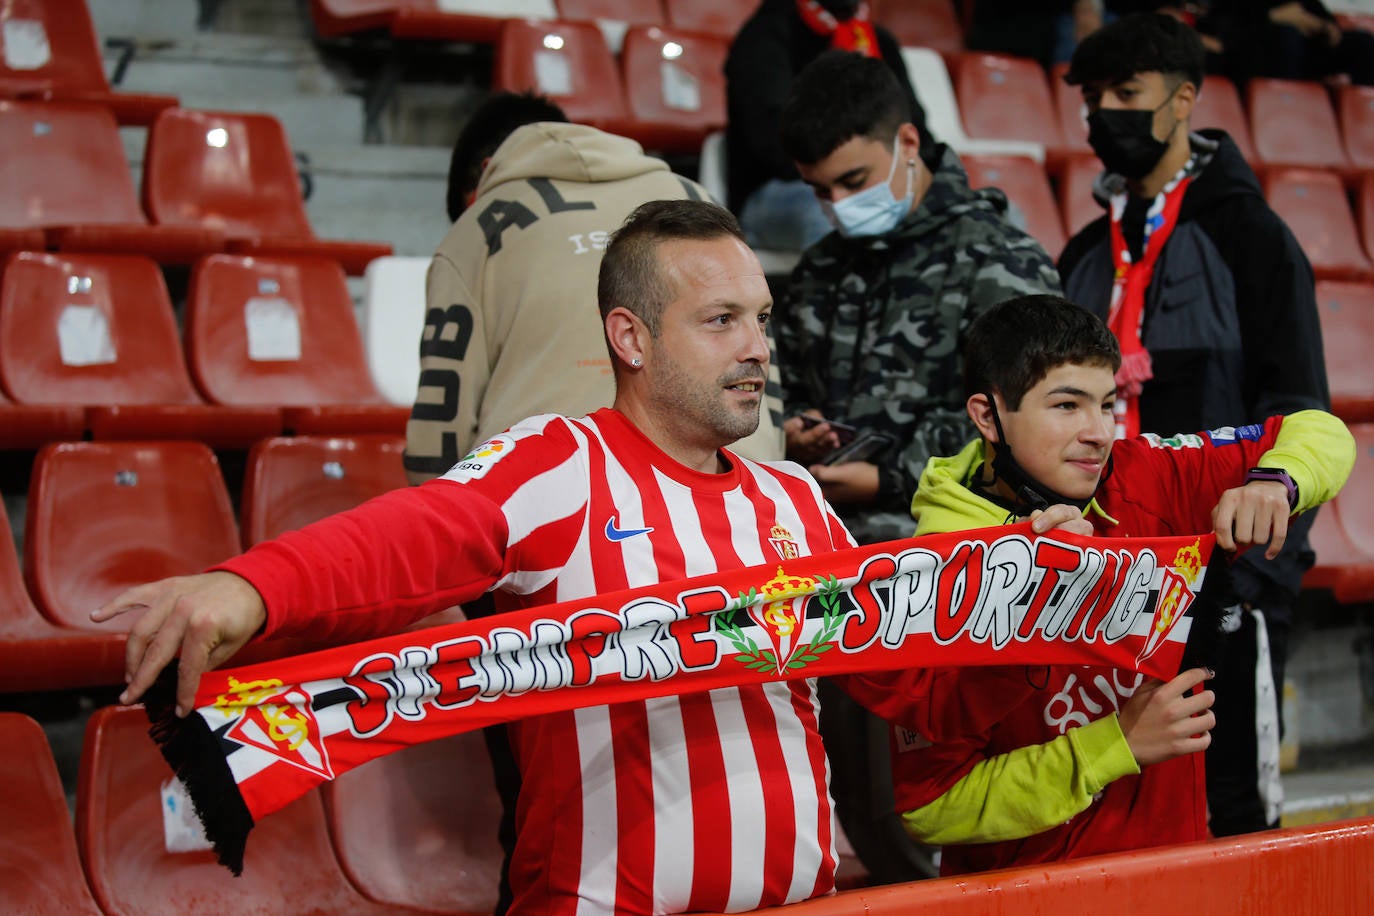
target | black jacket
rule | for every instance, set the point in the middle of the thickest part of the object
(1231, 324)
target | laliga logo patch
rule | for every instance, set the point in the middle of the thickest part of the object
(277, 721)
(1230, 435)
(482, 459)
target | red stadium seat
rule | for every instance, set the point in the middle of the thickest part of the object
(98, 332)
(288, 864)
(105, 516)
(1026, 185)
(1342, 567)
(1364, 211)
(280, 332)
(1218, 105)
(1293, 124)
(1358, 494)
(36, 654)
(1355, 106)
(419, 827)
(293, 481)
(1347, 317)
(722, 18)
(235, 173)
(49, 51)
(570, 63)
(675, 84)
(478, 21)
(920, 23)
(77, 192)
(1007, 98)
(1314, 205)
(1076, 202)
(40, 871)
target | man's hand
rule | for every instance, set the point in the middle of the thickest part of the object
(1256, 513)
(849, 483)
(1161, 721)
(1061, 517)
(807, 445)
(204, 619)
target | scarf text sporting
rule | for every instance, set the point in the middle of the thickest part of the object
(263, 735)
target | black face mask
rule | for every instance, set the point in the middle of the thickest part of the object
(1124, 140)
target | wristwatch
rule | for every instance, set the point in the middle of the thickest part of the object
(1278, 475)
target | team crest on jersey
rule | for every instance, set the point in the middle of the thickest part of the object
(778, 608)
(784, 543)
(481, 459)
(277, 721)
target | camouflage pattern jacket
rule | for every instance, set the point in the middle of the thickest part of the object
(871, 329)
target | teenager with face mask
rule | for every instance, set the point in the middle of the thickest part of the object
(1213, 302)
(874, 317)
(781, 37)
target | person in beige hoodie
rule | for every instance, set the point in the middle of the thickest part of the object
(511, 328)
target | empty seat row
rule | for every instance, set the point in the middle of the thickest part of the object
(932, 23)
(104, 516)
(270, 345)
(212, 182)
(666, 89)
(415, 831)
(49, 51)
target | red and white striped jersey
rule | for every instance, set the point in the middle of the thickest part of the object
(713, 801)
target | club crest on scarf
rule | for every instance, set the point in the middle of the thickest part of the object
(778, 608)
(1176, 596)
(277, 720)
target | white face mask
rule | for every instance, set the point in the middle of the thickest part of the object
(873, 211)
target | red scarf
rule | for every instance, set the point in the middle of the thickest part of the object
(1127, 307)
(853, 34)
(263, 735)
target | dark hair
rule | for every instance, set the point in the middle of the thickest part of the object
(837, 96)
(494, 120)
(1016, 343)
(1139, 43)
(630, 275)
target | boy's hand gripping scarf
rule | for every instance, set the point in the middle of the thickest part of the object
(263, 735)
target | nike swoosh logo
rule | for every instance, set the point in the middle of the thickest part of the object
(619, 534)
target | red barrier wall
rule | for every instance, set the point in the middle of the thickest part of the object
(1326, 869)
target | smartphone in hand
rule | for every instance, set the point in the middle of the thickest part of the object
(864, 448)
(844, 431)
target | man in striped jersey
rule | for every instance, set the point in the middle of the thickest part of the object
(706, 801)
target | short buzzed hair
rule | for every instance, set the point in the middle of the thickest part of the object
(631, 276)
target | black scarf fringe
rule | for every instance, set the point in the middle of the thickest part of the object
(1203, 649)
(196, 757)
